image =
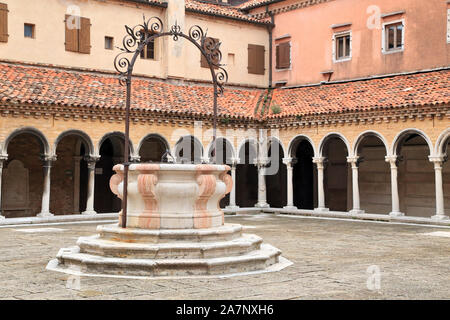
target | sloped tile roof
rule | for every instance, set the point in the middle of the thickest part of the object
(397, 91)
(220, 10)
(25, 84)
(39, 85)
(256, 3)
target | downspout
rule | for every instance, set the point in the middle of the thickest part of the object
(272, 20)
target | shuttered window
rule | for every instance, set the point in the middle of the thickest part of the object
(256, 59)
(78, 34)
(203, 61)
(283, 55)
(3, 22)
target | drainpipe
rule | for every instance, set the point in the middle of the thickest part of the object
(270, 28)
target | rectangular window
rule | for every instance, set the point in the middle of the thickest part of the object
(343, 49)
(3, 22)
(149, 50)
(109, 43)
(448, 25)
(256, 61)
(393, 36)
(203, 61)
(78, 34)
(283, 55)
(28, 30)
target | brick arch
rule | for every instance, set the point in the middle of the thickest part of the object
(84, 137)
(293, 143)
(441, 143)
(368, 133)
(404, 133)
(334, 135)
(45, 147)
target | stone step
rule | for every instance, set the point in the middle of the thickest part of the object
(73, 259)
(113, 232)
(173, 250)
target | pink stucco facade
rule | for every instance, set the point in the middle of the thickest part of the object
(311, 29)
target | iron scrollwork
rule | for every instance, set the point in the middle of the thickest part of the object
(140, 35)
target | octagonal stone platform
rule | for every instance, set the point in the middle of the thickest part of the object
(175, 228)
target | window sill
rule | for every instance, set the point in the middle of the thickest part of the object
(393, 51)
(342, 60)
(283, 69)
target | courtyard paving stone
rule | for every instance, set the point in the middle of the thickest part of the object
(330, 259)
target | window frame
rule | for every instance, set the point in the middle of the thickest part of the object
(290, 55)
(384, 48)
(33, 30)
(112, 42)
(144, 52)
(337, 35)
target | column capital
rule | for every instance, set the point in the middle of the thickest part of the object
(205, 160)
(262, 162)
(354, 161)
(48, 158)
(135, 159)
(91, 158)
(235, 161)
(289, 161)
(318, 159)
(437, 160)
(393, 160)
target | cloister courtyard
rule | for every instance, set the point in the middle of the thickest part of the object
(332, 259)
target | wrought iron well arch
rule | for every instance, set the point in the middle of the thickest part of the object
(134, 42)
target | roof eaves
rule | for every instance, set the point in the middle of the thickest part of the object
(262, 23)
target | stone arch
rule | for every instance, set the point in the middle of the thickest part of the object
(228, 144)
(366, 133)
(401, 136)
(297, 139)
(194, 156)
(277, 140)
(334, 135)
(154, 152)
(118, 134)
(253, 143)
(82, 135)
(442, 143)
(45, 147)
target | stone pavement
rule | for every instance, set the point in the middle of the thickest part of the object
(331, 260)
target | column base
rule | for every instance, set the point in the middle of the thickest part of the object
(232, 207)
(262, 205)
(356, 211)
(2, 217)
(396, 214)
(45, 214)
(440, 217)
(290, 208)
(321, 210)
(89, 213)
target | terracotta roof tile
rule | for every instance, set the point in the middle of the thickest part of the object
(27, 84)
(256, 3)
(403, 90)
(45, 85)
(220, 10)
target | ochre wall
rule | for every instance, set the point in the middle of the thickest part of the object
(311, 38)
(108, 18)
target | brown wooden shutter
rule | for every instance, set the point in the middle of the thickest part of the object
(84, 36)
(283, 55)
(203, 61)
(71, 35)
(3, 22)
(256, 62)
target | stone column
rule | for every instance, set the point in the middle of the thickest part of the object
(45, 207)
(394, 187)
(354, 161)
(262, 196)
(3, 158)
(319, 161)
(233, 206)
(440, 211)
(289, 162)
(76, 184)
(135, 159)
(91, 161)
